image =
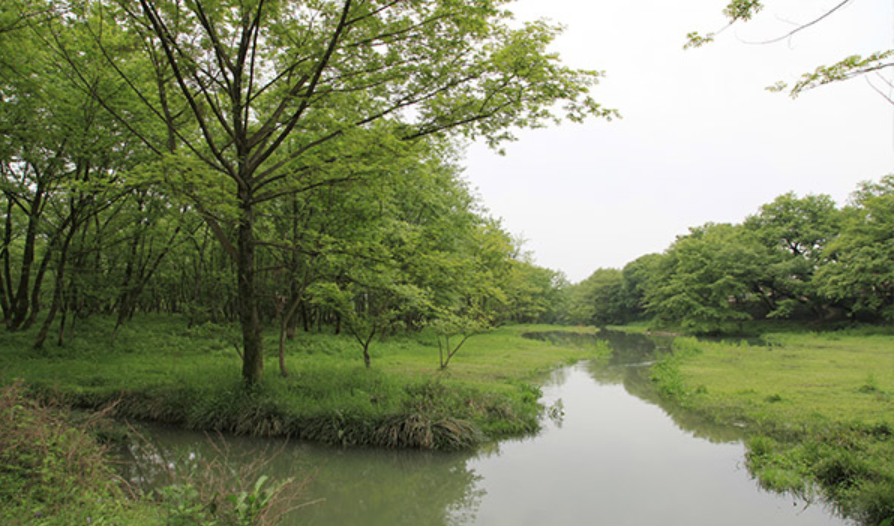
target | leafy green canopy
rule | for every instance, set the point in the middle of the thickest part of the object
(797, 258)
(246, 103)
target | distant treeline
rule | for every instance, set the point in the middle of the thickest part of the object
(798, 258)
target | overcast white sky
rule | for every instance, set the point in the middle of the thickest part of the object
(700, 139)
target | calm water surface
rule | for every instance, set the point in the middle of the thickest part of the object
(615, 458)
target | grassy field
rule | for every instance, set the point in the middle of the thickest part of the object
(160, 370)
(818, 406)
(54, 473)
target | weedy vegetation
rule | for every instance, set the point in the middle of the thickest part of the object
(54, 471)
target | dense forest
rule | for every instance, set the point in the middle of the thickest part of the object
(797, 258)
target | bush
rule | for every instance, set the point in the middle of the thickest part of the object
(52, 472)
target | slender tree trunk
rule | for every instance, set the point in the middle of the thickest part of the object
(305, 317)
(21, 304)
(284, 332)
(366, 359)
(287, 326)
(38, 284)
(60, 341)
(364, 341)
(450, 352)
(73, 296)
(57, 291)
(6, 299)
(124, 300)
(4, 305)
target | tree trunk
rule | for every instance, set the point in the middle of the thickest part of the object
(4, 305)
(6, 300)
(57, 291)
(38, 284)
(305, 318)
(21, 305)
(60, 340)
(285, 323)
(124, 300)
(252, 344)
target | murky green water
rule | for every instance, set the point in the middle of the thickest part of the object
(615, 458)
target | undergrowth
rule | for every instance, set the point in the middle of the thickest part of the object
(52, 473)
(56, 473)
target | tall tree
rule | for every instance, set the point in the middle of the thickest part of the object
(264, 85)
(796, 230)
(707, 279)
(600, 300)
(58, 152)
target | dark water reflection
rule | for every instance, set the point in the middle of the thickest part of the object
(619, 456)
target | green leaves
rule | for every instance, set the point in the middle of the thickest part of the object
(248, 506)
(796, 258)
(694, 40)
(735, 11)
(845, 69)
(600, 300)
(312, 137)
(742, 9)
(707, 277)
(860, 267)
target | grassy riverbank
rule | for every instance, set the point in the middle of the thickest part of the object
(159, 370)
(819, 408)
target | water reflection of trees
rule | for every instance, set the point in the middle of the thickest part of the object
(354, 486)
(632, 354)
(631, 357)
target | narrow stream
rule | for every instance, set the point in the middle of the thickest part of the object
(615, 457)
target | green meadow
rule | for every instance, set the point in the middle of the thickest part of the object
(161, 371)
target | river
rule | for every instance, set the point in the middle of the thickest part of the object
(609, 455)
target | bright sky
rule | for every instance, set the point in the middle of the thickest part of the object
(700, 139)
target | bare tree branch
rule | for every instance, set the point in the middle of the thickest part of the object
(802, 27)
